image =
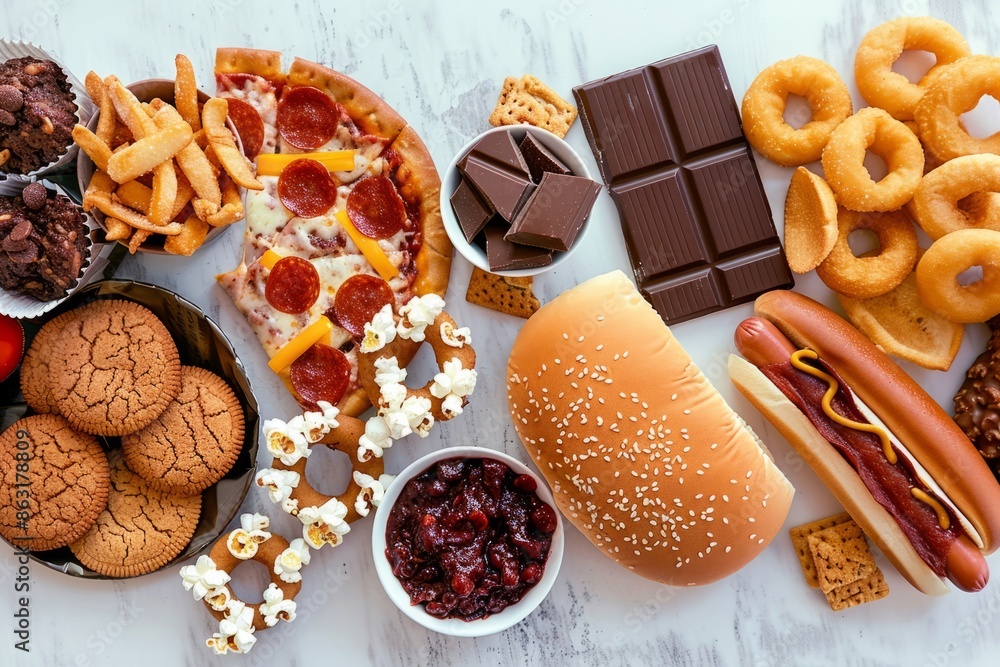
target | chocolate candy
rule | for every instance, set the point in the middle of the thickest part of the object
(554, 214)
(668, 140)
(540, 159)
(504, 189)
(504, 255)
(470, 210)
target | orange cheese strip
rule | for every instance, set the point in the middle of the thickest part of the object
(296, 347)
(369, 248)
(271, 164)
(269, 259)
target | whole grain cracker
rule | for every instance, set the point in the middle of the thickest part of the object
(841, 556)
(528, 100)
(512, 296)
(869, 589)
(800, 539)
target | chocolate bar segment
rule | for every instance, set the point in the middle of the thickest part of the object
(555, 213)
(504, 189)
(470, 210)
(498, 147)
(540, 159)
(670, 146)
(504, 255)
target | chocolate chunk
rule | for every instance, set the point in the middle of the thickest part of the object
(470, 210)
(11, 99)
(504, 189)
(555, 213)
(504, 255)
(540, 159)
(34, 196)
(21, 231)
(498, 147)
(28, 254)
(697, 225)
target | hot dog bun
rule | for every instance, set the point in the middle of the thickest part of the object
(643, 455)
(906, 409)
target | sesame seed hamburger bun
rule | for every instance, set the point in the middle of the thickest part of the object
(643, 455)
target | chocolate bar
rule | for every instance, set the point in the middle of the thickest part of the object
(504, 189)
(540, 159)
(504, 255)
(669, 144)
(470, 210)
(554, 214)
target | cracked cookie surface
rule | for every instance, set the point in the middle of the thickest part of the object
(114, 368)
(141, 530)
(35, 383)
(195, 441)
(62, 475)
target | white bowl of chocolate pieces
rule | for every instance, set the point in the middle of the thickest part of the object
(516, 200)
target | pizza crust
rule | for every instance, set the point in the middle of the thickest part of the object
(234, 60)
(369, 111)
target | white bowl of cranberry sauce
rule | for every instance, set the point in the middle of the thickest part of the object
(467, 541)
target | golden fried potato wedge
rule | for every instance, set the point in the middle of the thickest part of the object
(239, 168)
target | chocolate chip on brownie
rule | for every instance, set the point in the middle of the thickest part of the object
(37, 114)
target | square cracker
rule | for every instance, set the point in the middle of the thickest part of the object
(800, 539)
(869, 589)
(528, 100)
(841, 556)
(512, 296)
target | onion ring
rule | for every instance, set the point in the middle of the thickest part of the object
(875, 274)
(764, 106)
(952, 91)
(949, 257)
(935, 204)
(882, 46)
(891, 140)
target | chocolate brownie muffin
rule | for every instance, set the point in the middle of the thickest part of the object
(43, 243)
(37, 114)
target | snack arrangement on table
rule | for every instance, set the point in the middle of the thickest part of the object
(140, 425)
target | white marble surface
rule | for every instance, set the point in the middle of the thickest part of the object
(440, 65)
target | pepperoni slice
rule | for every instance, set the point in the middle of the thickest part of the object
(307, 117)
(306, 188)
(357, 301)
(375, 207)
(249, 126)
(292, 286)
(322, 373)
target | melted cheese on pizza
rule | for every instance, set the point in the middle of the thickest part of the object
(261, 95)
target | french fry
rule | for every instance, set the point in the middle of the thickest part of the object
(92, 144)
(135, 195)
(200, 139)
(239, 168)
(138, 238)
(99, 94)
(148, 152)
(115, 209)
(190, 239)
(129, 109)
(186, 92)
(161, 205)
(100, 185)
(117, 230)
(232, 207)
(192, 161)
(184, 195)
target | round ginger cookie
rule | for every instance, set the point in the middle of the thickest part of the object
(53, 482)
(140, 530)
(194, 442)
(35, 383)
(114, 368)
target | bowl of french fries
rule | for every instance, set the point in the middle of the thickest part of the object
(161, 166)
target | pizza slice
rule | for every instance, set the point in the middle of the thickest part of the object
(347, 222)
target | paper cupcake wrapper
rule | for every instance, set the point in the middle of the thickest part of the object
(23, 306)
(14, 48)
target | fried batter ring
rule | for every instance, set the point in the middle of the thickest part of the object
(949, 257)
(935, 204)
(891, 140)
(882, 46)
(764, 108)
(876, 274)
(954, 90)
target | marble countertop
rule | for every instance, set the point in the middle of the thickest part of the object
(440, 64)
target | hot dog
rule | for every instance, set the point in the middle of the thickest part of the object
(887, 451)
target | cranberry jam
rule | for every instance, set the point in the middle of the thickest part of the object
(469, 537)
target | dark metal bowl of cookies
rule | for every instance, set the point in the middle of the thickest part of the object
(200, 342)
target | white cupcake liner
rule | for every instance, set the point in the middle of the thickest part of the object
(96, 257)
(15, 48)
